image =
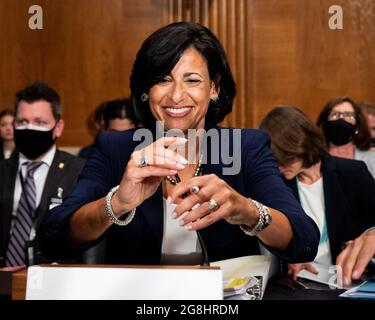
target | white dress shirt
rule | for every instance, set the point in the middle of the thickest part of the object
(40, 176)
(7, 154)
(312, 201)
(179, 246)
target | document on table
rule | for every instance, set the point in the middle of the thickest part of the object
(246, 276)
(327, 275)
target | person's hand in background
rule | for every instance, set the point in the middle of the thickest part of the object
(294, 269)
(356, 256)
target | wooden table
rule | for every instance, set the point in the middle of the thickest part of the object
(19, 285)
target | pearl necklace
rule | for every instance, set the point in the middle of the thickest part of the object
(177, 179)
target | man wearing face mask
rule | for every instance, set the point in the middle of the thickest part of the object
(37, 179)
(346, 131)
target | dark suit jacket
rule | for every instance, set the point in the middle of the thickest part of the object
(349, 198)
(14, 153)
(85, 152)
(140, 242)
(63, 173)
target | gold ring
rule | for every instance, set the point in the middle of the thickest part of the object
(213, 205)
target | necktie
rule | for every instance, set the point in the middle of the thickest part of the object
(16, 253)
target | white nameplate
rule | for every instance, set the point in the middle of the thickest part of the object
(95, 283)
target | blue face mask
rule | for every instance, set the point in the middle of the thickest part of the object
(33, 143)
(339, 132)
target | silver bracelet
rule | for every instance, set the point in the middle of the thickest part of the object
(110, 213)
(264, 221)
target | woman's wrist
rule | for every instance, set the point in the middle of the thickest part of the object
(263, 219)
(253, 214)
(109, 210)
(119, 207)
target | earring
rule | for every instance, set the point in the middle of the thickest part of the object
(144, 97)
(215, 100)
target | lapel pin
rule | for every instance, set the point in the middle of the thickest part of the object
(61, 165)
(59, 192)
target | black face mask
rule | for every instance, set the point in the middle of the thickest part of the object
(339, 132)
(33, 143)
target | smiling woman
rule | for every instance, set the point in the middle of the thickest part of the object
(171, 210)
(182, 67)
(181, 99)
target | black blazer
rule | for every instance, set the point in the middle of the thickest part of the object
(140, 242)
(63, 173)
(349, 198)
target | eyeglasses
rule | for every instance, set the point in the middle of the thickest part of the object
(348, 115)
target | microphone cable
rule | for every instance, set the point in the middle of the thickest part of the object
(205, 261)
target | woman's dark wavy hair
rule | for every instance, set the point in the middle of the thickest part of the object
(294, 137)
(161, 51)
(6, 112)
(118, 109)
(363, 137)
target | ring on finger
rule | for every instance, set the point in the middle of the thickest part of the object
(143, 161)
(213, 205)
(194, 189)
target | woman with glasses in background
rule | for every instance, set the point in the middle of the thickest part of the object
(346, 131)
(337, 193)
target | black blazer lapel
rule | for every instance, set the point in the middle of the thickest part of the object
(336, 206)
(292, 184)
(334, 202)
(53, 179)
(152, 210)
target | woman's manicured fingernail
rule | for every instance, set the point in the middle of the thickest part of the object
(181, 222)
(188, 226)
(182, 160)
(346, 281)
(180, 166)
(169, 200)
(180, 141)
(174, 215)
(356, 274)
(184, 214)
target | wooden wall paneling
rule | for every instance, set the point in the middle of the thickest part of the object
(229, 20)
(283, 52)
(336, 62)
(280, 51)
(299, 60)
(274, 54)
(85, 51)
(99, 40)
(19, 58)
